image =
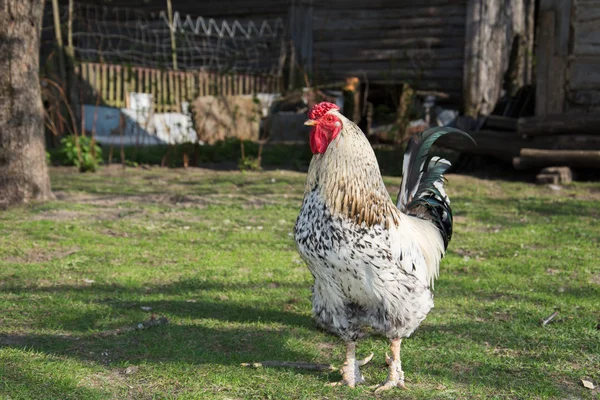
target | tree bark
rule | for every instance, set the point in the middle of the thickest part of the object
(23, 170)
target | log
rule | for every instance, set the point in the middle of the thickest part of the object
(530, 158)
(501, 123)
(580, 123)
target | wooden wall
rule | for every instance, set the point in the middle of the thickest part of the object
(392, 41)
(583, 75)
(552, 50)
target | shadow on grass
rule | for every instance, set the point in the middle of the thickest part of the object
(232, 333)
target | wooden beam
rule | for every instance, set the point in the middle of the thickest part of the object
(530, 158)
(472, 61)
(584, 123)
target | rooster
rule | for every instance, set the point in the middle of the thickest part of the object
(373, 262)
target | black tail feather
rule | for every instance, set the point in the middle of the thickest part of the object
(422, 192)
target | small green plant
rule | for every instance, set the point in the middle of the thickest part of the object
(249, 164)
(86, 158)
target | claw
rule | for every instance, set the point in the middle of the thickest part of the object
(388, 359)
(384, 387)
(343, 382)
(365, 360)
(388, 385)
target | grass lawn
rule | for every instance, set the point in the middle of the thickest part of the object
(213, 252)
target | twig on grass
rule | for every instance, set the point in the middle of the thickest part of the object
(150, 323)
(549, 319)
(292, 364)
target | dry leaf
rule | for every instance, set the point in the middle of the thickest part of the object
(587, 384)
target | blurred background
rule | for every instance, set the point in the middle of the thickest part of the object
(182, 83)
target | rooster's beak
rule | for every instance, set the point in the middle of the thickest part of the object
(310, 122)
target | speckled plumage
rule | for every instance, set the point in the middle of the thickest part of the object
(372, 264)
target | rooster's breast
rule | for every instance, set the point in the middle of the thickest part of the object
(350, 259)
(356, 267)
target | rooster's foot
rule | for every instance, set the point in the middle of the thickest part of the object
(395, 376)
(351, 375)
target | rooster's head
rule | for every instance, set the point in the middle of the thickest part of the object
(326, 125)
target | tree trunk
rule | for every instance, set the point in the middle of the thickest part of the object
(23, 170)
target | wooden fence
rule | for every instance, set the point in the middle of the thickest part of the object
(109, 84)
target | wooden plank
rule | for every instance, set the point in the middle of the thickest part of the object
(126, 78)
(211, 83)
(335, 24)
(163, 93)
(139, 80)
(545, 158)
(554, 124)
(545, 53)
(239, 84)
(376, 68)
(84, 81)
(586, 35)
(182, 87)
(104, 81)
(118, 82)
(323, 36)
(111, 85)
(584, 72)
(147, 79)
(186, 85)
(92, 80)
(563, 29)
(208, 81)
(322, 15)
(192, 82)
(157, 89)
(176, 102)
(435, 40)
(426, 59)
(203, 91)
(171, 90)
(586, 98)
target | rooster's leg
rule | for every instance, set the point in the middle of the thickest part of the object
(351, 375)
(395, 374)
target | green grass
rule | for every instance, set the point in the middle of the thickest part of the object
(213, 252)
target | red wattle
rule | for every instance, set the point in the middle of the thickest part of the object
(318, 140)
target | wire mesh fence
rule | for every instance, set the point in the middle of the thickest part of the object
(134, 37)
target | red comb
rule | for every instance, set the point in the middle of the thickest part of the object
(321, 109)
